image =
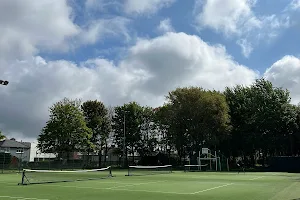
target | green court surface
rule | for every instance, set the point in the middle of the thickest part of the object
(175, 186)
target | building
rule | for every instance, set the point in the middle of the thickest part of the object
(20, 150)
(36, 155)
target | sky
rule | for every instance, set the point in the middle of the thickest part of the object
(118, 51)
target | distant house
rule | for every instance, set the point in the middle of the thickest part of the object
(20, 150)
(36, 155)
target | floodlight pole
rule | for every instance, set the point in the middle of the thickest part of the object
(124, 144)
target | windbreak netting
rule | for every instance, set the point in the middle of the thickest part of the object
(195, 168)
(49, 176)
(149, 170)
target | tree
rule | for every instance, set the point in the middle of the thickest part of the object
(197, 118)
(127, 121)
(109, 141)
(148, 133)
(2, 137)
(96, 117)
(66, 131)
(262, 119)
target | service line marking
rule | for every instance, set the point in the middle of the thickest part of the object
(256, 178)
(213, 188)
(134, 184)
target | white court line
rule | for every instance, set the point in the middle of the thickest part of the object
(212, 188)
(149, 191)
(122, 189)
(134, 184)
(256, 178)
(21, 198)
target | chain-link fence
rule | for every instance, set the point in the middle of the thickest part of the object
(12, 164)
(8, 163)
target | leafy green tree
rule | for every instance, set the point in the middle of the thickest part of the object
(2, 137)
(197, 118)
(66, 130)
(109, 141)
(263, 119)
(148, 141)
(96, 117)
(295, 139)
(127, 121)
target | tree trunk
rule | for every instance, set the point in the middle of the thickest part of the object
(105, 153)
(132, 155)
(100, 157)
(87, 164)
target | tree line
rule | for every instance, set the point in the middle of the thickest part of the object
(256, 121)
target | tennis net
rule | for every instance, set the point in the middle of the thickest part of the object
(149, 170)
(50, 176)
(194, 168)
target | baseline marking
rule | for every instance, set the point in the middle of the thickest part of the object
(149, 191)
(134, 184)
(212, 188)
(256, 178)
(21, 198)
(120, 189)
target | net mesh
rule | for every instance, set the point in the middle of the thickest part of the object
(50, 176)
(149, 170)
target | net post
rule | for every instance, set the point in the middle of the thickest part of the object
(23, 178)
(110, 172)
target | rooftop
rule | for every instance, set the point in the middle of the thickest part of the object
(14, 144)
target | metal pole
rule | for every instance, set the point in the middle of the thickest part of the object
(227, 165)
(216, 159)
(124, 144)
(200, 160)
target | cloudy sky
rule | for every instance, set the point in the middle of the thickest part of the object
(118, 51)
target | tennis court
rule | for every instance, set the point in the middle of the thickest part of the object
(173, 186)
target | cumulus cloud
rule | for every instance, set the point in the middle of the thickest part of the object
(235, 18)
(165, 26)
(29, 26)
(146, 6)
(151, 68)
(285, 73)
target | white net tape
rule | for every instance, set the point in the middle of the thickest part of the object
(150, 167)
(75, 171)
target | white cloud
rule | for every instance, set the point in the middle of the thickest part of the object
(235, 18)
(29, 26)
(151, 69)
(97, 30)
(225, 15)
(165, 26)
(146, 6)
(285, 73)
(294, 5)
(246, 47)
(97, 5)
